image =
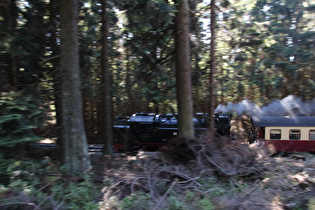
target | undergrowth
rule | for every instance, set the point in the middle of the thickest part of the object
(152, 182)
(20, 113)
(41, 185)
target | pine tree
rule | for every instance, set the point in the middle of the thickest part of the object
(183, 71)
(76, 158)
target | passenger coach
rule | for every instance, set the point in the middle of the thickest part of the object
(287, 133)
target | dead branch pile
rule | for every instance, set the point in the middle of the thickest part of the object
(182, 163)
(221, 155)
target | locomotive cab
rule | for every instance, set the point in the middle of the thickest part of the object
(222, 123)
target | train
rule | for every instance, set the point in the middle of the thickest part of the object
(151, 130)
(284, 133)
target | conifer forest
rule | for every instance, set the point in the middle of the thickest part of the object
(70, 69)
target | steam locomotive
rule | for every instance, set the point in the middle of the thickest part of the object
(152, 130)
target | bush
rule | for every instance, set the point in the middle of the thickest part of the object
(19, 114)
(175, 201)
(4, 175)
(311, 204)
(137, 201)
(42, 185)
(190, 200)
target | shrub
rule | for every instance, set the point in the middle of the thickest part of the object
(137, 201)
(311, 203)
(4, 175)
(19, 114)
(43, 186)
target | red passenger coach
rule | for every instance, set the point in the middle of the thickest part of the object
(286, 133)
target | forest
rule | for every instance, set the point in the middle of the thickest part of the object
(68, 69)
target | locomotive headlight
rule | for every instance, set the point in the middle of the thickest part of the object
(174, 133)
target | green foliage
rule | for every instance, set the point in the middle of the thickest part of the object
(190, 200)
(174, 201)
(252, 36)
(74, 193)
(205, 204)
(19, 114)
(4, 175)
(36, 182)
(176, 204)
(137, 201)
(148, 39)
(311, 204)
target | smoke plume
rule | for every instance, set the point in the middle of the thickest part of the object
(290, 105)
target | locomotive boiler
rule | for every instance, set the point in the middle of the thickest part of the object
(156, 130)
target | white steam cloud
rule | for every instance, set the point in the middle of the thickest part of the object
(290, 105)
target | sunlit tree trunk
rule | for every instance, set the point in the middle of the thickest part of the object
(76, 158)
(212, 66)
(183, 71)
(128, 84)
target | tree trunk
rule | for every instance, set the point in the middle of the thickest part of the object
(183, 71)
(212, 66)
(106, 118)
(56, 74)
(76, 158)
(9, 11)
(129, 85)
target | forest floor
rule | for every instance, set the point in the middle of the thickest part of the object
(208, 173)
(269, 181)
(287, 182)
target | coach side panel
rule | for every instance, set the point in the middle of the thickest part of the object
(304, 132)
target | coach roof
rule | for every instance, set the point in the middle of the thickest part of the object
(283, 121)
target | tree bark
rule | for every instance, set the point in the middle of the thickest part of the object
(212, 67)
(183, 71)
(56, 72)
(76, 158)
(9, 11)
(106, 118)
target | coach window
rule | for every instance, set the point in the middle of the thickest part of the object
(275, 134)
(295, 134)
(312, 134)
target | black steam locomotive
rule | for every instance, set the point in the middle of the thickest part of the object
(156, 130)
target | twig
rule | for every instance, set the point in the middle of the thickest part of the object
(132, 186)
(18, 203)
(210, 190)
(108, 190)
(166, 193)
(47, 185)
(188, 178)
(43, 201)
(150, 187)
(44, 61)
(250, 192)
(60, 205)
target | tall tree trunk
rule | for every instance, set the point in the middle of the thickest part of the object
(10, 15)
(183, 71)
(212, 66)
(56, 74)
(129, 87)
(106, 118)
(75, 144)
